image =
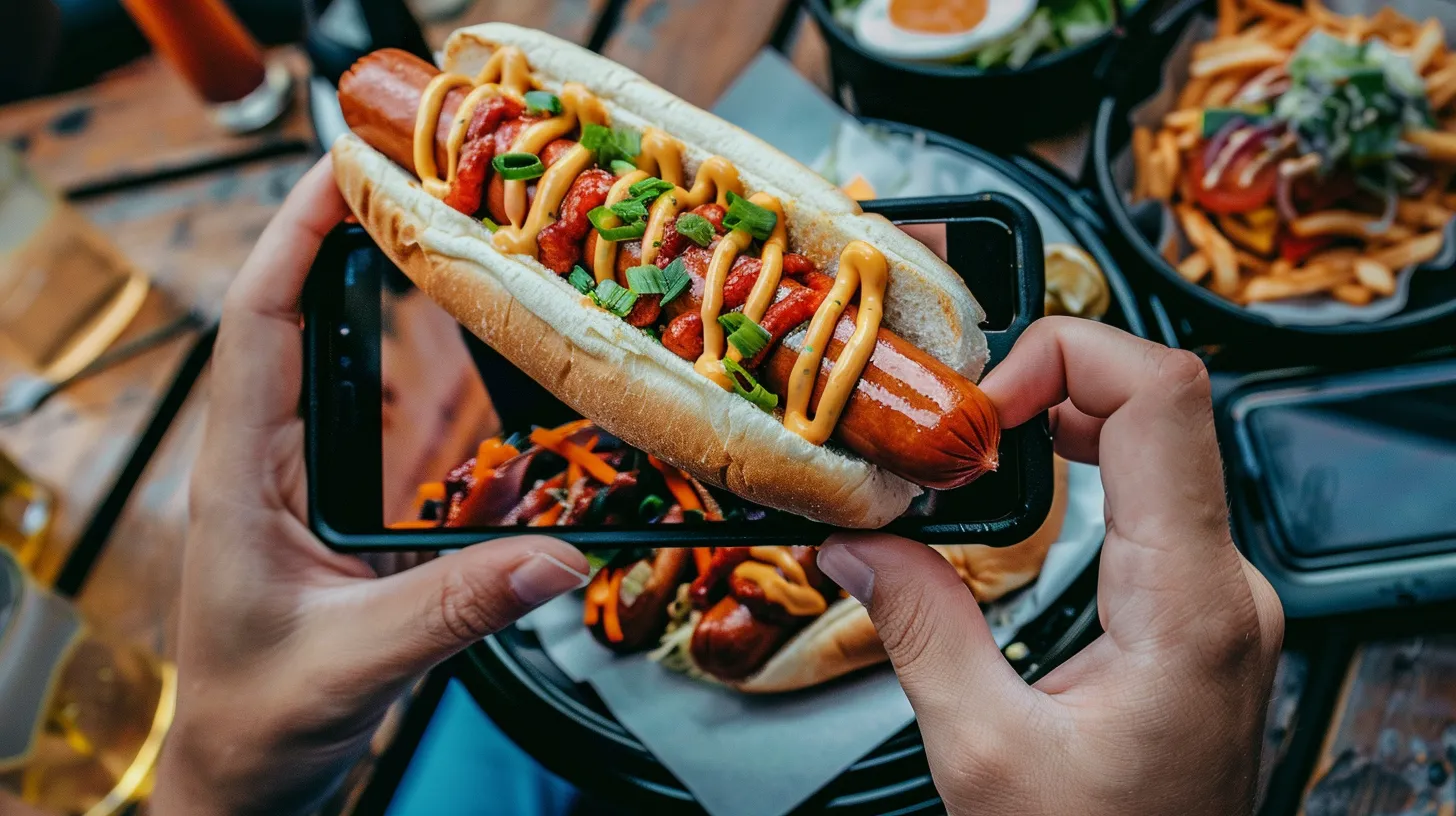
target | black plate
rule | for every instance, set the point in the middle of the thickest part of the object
(1014, 500)
(566, 727)
(1427, 319)
(1005, 107)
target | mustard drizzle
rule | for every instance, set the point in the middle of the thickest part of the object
(508, 73)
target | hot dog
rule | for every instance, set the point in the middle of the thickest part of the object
(547, 478)
(764, 619)
(905, 410)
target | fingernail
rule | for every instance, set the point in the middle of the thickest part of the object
(847, 570)
(542, 577)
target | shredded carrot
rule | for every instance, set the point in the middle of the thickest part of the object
(596, 597)
(494, 452)
(611, 624)
(573, 470)
(593, 466)
(703, 556)
(549, 517)
(413, 525)
(677, 484)
(428, 492)
(570, 428)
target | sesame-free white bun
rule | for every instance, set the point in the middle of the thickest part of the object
(614, 374)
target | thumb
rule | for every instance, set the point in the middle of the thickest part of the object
(930, 624)
(426, 614)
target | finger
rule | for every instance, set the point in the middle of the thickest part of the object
(271, 280)
(1158, 452)
(930, 624)
(415, 619)
(1075, 435)
(258, 360)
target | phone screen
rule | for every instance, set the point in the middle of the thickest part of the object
(1362, 470)
(456, 428)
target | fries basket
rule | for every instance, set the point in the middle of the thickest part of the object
(1415, 255)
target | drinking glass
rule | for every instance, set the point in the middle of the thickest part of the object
(206, 43)
(83, 718)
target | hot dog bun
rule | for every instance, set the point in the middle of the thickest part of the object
(615, 375)
(843, 639)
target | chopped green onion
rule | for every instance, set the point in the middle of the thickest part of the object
(539, 102)
(489, 224)
(698, 229)
(649, 187)
(649, 280)
(1214, 119)
(749, 217)
(753, 392)
(611, 144)
(651, 506)
(614, 297)
(518, 166)
(630, 210)
(653, 332)
(582, 280)
(744, 334)
(622, 168)
(597, 560)
(694, 516)
(622, 233)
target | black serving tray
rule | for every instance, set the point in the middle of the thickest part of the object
(1006, 275)
(1329, 532)
(565, 726)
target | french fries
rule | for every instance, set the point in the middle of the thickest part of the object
(1345, 224)
(1439, 146)
(1252, 56)
(1246, 256)
(1195, 267)
(1375, 276)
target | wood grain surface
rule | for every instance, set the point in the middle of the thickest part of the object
(568, 19)
(1391, 745)
(693, 48)
(191, 234)
(79, 440)
(140, 121)
(133, 588)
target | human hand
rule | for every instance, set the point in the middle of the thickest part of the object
(290, 653)
(1164, 712)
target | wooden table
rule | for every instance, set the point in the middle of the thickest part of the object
(184, 202)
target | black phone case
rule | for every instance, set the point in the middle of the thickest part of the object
(342, 404)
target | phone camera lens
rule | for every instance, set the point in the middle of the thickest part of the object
(345, 361)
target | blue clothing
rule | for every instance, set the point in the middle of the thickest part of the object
(465, 766)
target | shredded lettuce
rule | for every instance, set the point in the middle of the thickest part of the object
(1350, 103)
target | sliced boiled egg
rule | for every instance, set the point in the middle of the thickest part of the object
(936, 29)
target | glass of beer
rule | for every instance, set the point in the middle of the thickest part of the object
(84, 718)
(27, 509)
(206, 43)
(66, 293)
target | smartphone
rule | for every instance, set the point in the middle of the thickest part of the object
(403, 405)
